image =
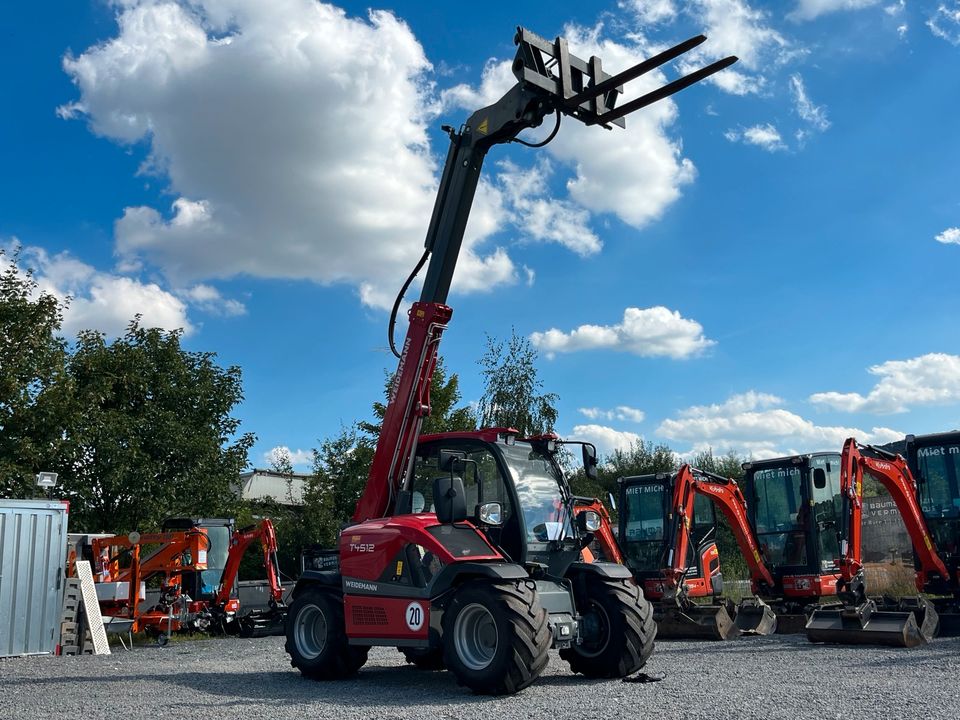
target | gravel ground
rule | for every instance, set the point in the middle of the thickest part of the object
(769, 678)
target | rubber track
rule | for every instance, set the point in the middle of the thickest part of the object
(641, 631)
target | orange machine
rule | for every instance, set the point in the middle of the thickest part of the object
(859, 619)
(181, 559)
(603, 536)
(126, 562)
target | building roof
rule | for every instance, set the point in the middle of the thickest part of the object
(286, 489)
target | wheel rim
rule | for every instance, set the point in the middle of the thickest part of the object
(475, 636)
(310, 632)
(597, 631)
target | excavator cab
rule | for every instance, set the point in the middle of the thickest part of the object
(644, 507)
(794, 506)
(202, 585)
(934, 461)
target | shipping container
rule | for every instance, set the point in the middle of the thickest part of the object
(33, 543)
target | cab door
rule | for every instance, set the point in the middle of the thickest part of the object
(825, 504)
(483, 481)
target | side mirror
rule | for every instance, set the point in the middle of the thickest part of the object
(449, 500)
(588, 521)
(490, 514)
(451, 460)
(819, 478)
(590, 461)
(613, 500)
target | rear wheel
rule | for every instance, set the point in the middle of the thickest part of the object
(424, 658)
(316, 637)
(617, 629)
(495, 637)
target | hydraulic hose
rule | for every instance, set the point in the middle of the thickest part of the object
(396, 304)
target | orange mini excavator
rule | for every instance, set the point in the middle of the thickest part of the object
(784, 536)
(668, 535)
(858, 619)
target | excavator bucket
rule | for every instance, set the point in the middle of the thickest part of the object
(865, 624)
(755, 617)
(695, 622)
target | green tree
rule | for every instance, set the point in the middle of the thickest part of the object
(151, 434)
(512, 395)
(340, 468)
(444, 416)
(34, 388)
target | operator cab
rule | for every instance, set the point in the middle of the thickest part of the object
(934, 461)
(794, 507)
(644, 504)
(203, 584)
(521, 475)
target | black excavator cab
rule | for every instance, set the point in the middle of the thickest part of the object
(934, 462)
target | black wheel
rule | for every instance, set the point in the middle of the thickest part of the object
(316, 637)
(162, 639)
(495, 637)
(424, 658)
(617, 629)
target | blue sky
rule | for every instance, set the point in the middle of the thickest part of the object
(765, 263)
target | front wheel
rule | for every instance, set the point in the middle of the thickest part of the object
(617, 630)
(317, 640)
(495, 637)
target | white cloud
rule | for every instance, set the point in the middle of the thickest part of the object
(542, 217)
(297, 458)
(103, 301)
(766, 137)
(647, 332)
(605, 438)
(814, 115)
(210, 300)
(945, 22)
(949, 236)
(902, 30)
(651, 12)
(621, 412)
(932, 379)
(754, 423)
(895, 9)
(735, 404)
(294, 139)
(733, 27)
(812, 9)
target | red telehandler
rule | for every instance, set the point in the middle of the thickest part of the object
(465, 550)
(860, 619)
